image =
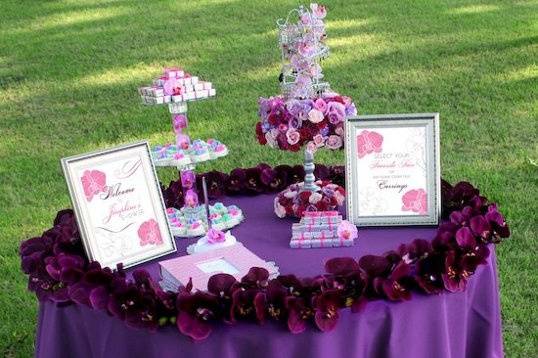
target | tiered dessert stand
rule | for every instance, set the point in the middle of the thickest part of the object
(174, 89)
(307, 113)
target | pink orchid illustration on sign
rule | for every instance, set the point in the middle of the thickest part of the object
(149, 233)
(415, 200)
(369, 142)
(93, 182)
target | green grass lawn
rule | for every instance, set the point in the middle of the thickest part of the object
(69, 72)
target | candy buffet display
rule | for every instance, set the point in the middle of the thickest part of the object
(175, 88)
(307, 113)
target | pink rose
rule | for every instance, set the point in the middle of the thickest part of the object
(347, 230)
(334, 142)
(93, 182)
(149, 233)
(318, 140)
(169, 86)
(319, 11)
(320, 105)
(339, 131)
(305, 19)
(415, 200)
(191, 198)
(369, 142)
(215, 236)
(336, 112)
(305, 49)
(315, 116)
(293, 136)
(180, 121)
(311, 147)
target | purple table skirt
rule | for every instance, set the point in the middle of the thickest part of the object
(463, 324)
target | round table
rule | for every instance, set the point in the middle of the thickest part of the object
(465, 324)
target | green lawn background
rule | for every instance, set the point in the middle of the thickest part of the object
(69, 73)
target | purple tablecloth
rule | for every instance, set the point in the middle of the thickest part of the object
(464, 324)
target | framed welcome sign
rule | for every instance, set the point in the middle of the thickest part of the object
(118, 205)
(392, 169)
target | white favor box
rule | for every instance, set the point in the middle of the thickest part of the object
(207, 85)
(212, 92)
(199, 86)
(177, 98)
(194, 80)
(159, 100)
(189, 95)
(167, 99)
(202, 94)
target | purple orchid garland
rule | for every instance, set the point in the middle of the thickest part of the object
(60, 272)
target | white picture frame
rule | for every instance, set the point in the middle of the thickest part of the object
(118, 205)
(393, 169)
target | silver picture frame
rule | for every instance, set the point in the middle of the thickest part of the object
(356, 197)
(153, 196)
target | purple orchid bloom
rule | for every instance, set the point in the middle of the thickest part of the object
(256, 277)
(271, 302)
(236, 180)
(347, 277)
(341, 265)
(243, 304)
(458, 268)
(417, 249)
(497, 221)
(129, 304)
(465, 239)
(428, 271)
(253, 183)
(281, 177)
(326, 313)
(396, 286)
(216, 183)
(197, 313)
(322, 172)
(480, 227)
(298, 314)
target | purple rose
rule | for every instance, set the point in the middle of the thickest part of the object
(351, 110)
(336, 112)
(334, 142)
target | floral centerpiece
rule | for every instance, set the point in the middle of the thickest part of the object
(295, 123)
(307, 114)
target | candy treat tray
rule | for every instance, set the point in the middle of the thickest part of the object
(198, 152)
